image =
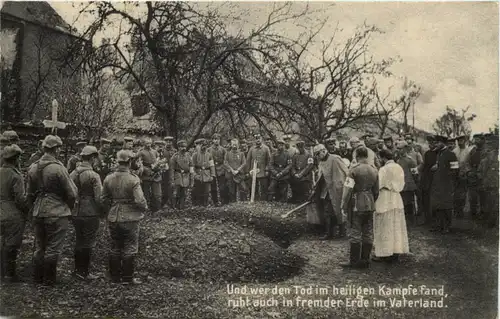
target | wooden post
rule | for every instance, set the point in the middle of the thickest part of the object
(254, 181)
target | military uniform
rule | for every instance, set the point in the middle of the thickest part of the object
(426, 176)
(443, 185)
(125, 204)
(13, 212)
(475, 194)
(181, 169)
(279, 167)
(204, 173)
(75, 159)
(262, 156)
(35, 156)
(151, 180)
(301, 179)
(54, 194)
(219, 182)
(86, 212)
(105, 162)
(235, 160)
(166, 187)
(360, 192)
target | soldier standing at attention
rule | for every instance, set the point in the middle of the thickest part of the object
(166, 187)
(128, 143)
(204, 172)
(54, 195)
(279, 166)
(150, 187)
(360, 193)
(219, 182)
(477, 152)
(181, 175)
(462, 154)
(124, 204)
(443, 184)
(343, 151)
(13, 211)
(426, 175)
(235, 163)
(75, 159)
(262, 155)
(269, 143)
(87, 211)
(330, 144)
(104, 163)
(389, 143)
(302, 165)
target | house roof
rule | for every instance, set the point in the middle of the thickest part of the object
(38, 12)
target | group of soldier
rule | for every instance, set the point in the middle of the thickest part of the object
(142, 175)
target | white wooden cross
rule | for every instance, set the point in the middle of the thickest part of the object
(254, 172)
(53, 123)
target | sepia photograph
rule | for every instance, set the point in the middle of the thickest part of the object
(249, 159)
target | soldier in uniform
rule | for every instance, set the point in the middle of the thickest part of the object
(462, 153)
(292, 150)
(204, 172)
(416, 149)
(35, 156)
(181, 175)
(54, 194)
(235, 163)
(372, 159)
(219, 182)
(151, 184)
(488, 181)
(301, 179)
(343, 151)
(443, 184)
(477, 152)
(128, 143)
(270, 144)
(261, 154)
(13, 211)
(279, 167)
(75, 159)
(87, 211)
(166, 187)
(11, 136)
(360, 193)
(389, 143)
(125, 204)
(409, 166)
(105, 159)
(426, 176)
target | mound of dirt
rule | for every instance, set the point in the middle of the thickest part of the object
(212, 250)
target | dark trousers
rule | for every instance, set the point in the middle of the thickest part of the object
(361, 230)
(490, 206)
(219, 187)
(261, 186)
(459, 197)
(152, 193)
(86, 229)
(444, 218)
(235, 189)
(426, 207)
(179, 196)
(124, 238)
(166, 189)
(11, 233)
(474, 200)
(50, 234)
(302, 190)
(200, 193)
(278, 190)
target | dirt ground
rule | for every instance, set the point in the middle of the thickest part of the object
(464, 264)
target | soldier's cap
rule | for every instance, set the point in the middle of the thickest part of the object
(380, 140)
(330, 139)
(318, 147)
(431, 138)
(11, 151)
(281, 141)
(440, 138)
(367, 135)
(299, 142)
(354, 140)
(147, 140)
(460, 137)
(216, 136)
(451, 139)
(11, 135)
(243, 141)
(387, 138)
(128, 139)
(52, 141)
(168, 138)
(181, 143)
(401, 144)
(89, 150)
(479, 135)
(159, 142)
(81, 143)
(200, 141)
(408, 134)
(105, 140)
(137, 142)
(123, 156)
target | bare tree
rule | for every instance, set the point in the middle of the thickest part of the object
(453, 122)
(406, 102)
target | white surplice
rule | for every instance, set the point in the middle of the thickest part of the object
(390, 235)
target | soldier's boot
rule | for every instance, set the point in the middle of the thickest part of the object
(78, 264)
(342, 230)
(10, 265)
(86, 261)
(128, 269)
(38, 270)
(50, 271)
(366, 249)
(328, 228)
(182, 202)
(354, 255)
(115, 267)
